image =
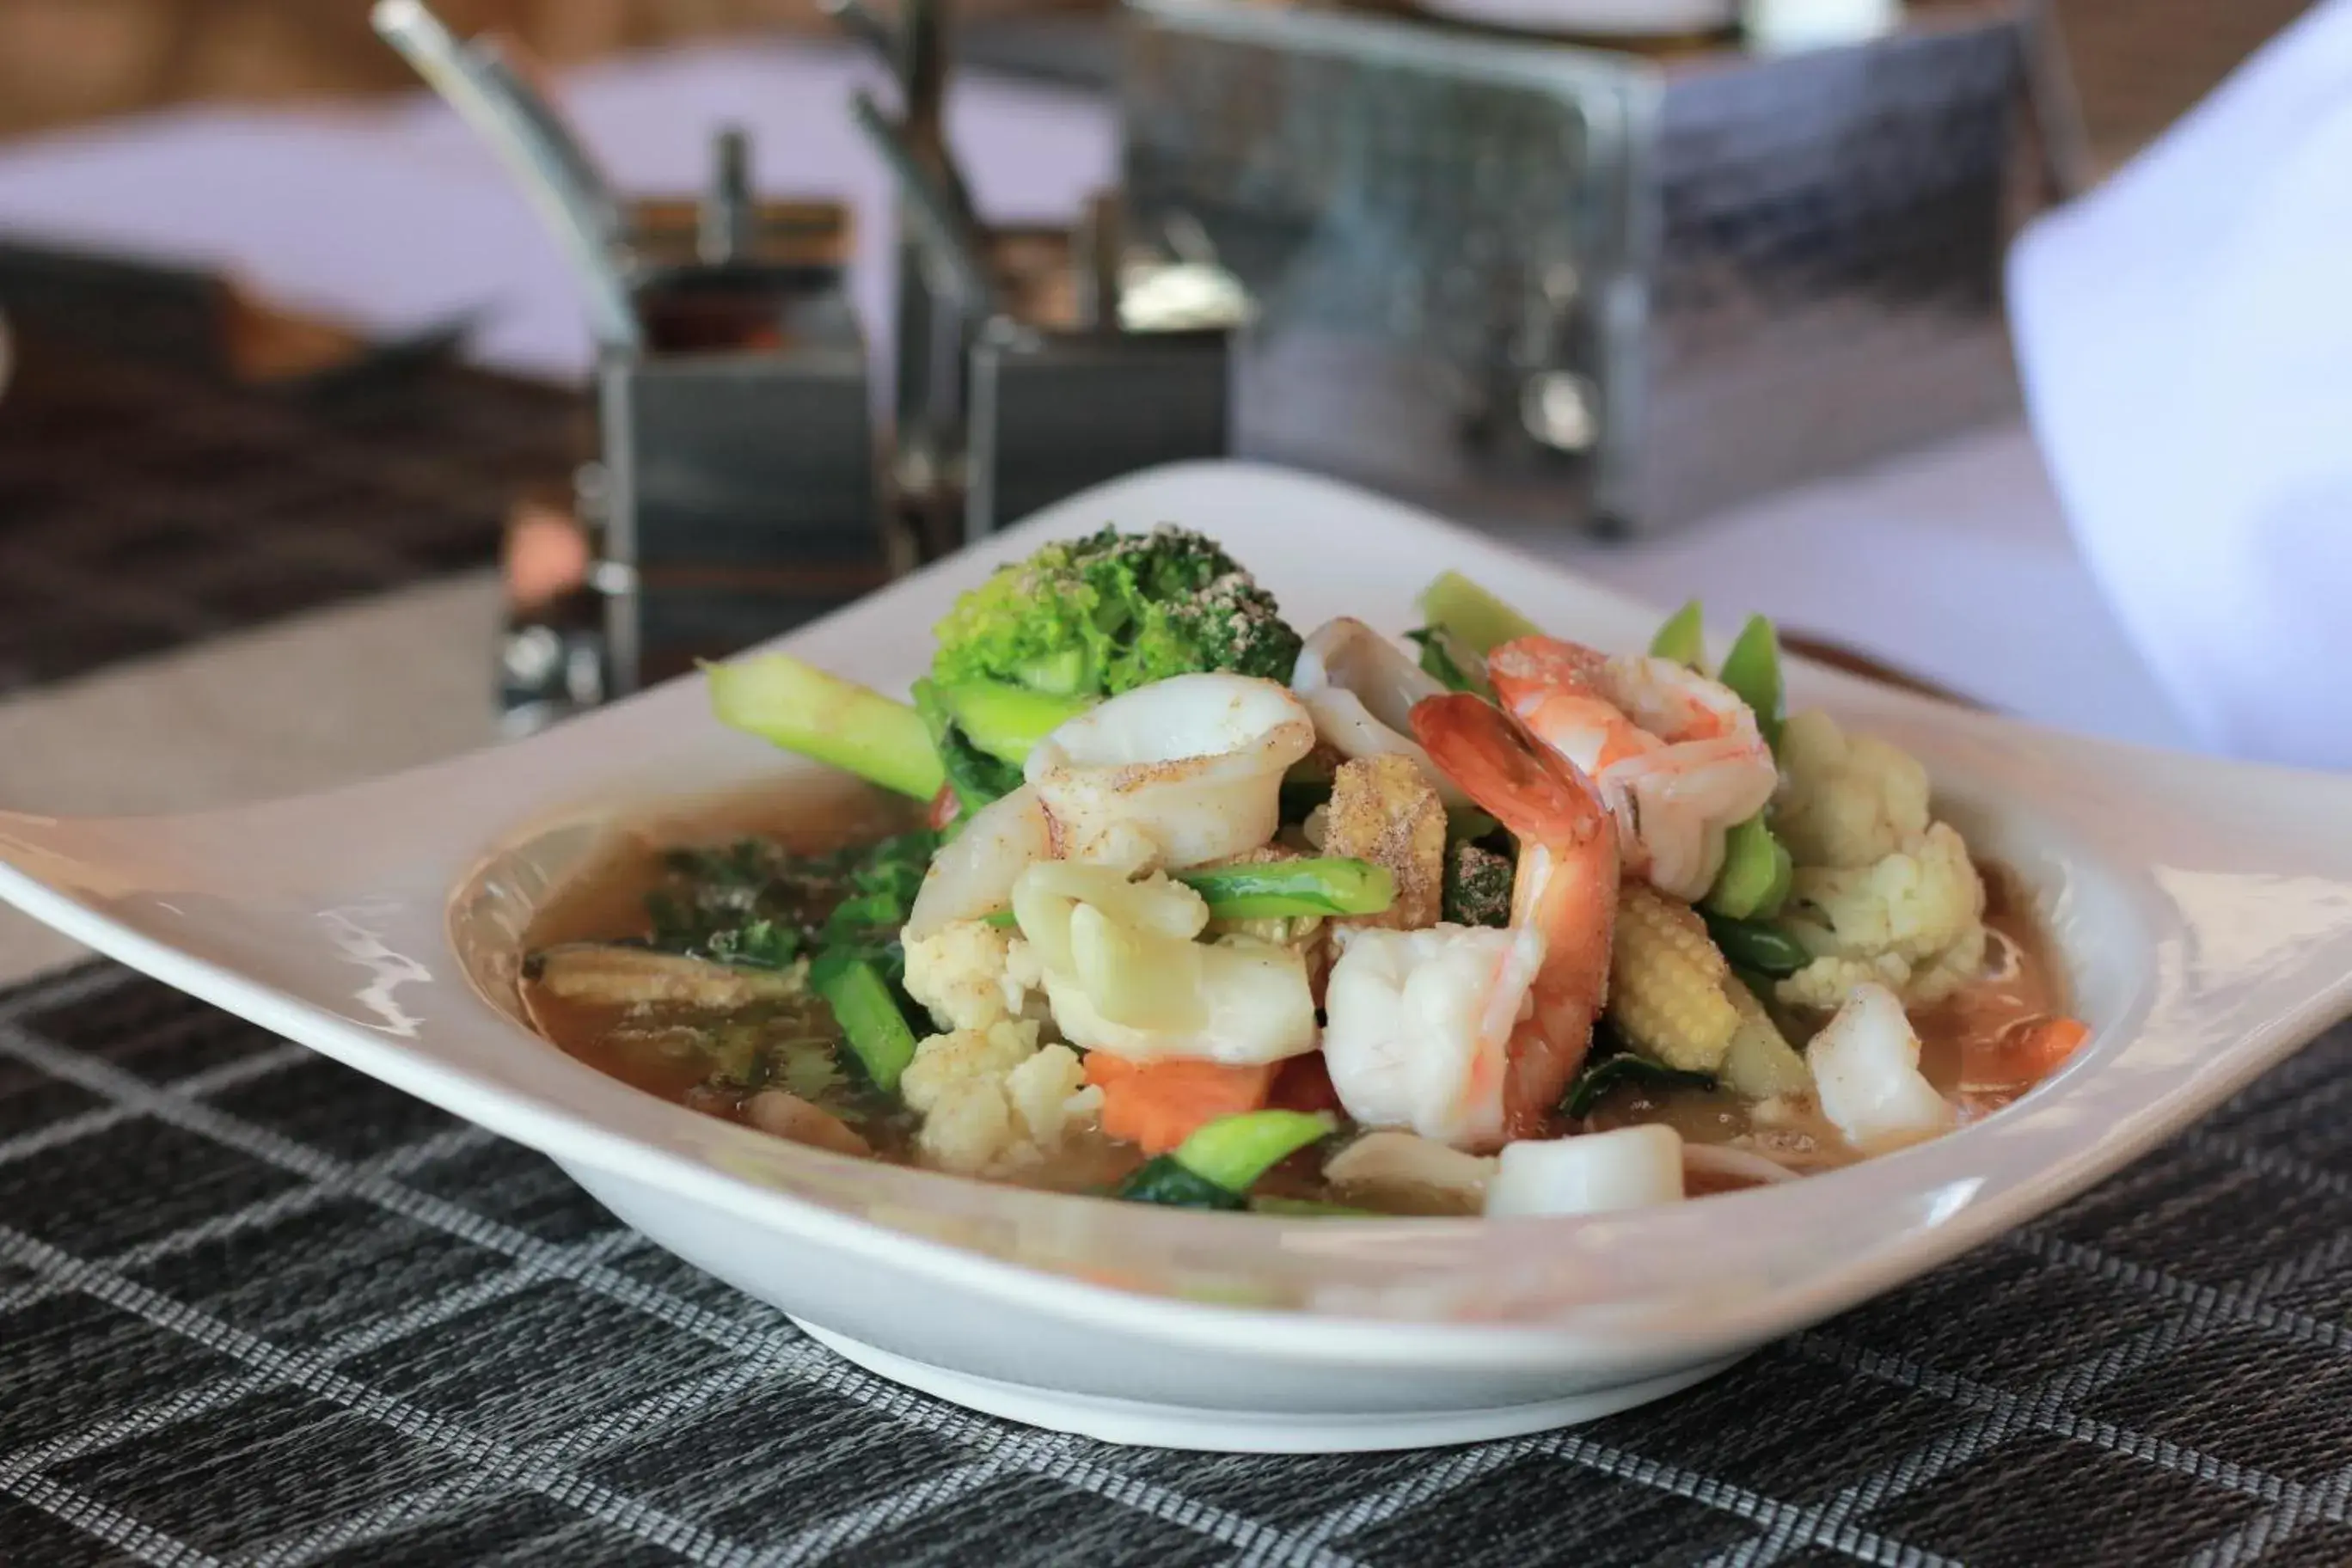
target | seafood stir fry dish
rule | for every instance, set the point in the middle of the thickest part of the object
(1146, 895)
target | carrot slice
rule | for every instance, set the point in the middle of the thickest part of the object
(2042, 1049)
(1158, 1104)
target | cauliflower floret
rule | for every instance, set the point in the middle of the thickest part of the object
(1941, 973)
(1913, 904)
(1912, 921)
(945, 1065)
(1825, 982)
(992, 1099)
(957, 972)
(1049, 1094)
(970, 1130)
(1845, 800)
(1024, 980)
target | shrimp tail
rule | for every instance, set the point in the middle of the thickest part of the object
(1532, 790)
(1565, 889)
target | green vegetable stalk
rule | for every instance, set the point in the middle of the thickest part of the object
(1460, 609)
(802, 709)
(1752, 670)
(1275, 889)
(1757, 873)
(867, 1010)
(1756, 947)
(1216, 1167)
(1006, 721)
(1280, 889)
(1682, 639)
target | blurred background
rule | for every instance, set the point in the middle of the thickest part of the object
(317, 456)
(2139, 63)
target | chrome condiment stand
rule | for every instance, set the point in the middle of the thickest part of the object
(1538, 283)
(741, 488)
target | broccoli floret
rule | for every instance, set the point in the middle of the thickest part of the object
(1103, 615)
(1477, 887)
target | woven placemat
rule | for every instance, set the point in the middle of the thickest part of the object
(254, 1308)
(149, 498)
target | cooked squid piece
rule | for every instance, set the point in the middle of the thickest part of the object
(1173, 774)
(787, 1115)
(973, 875)
(1866, 1064)
(1122, 972)
(1406, 1170)
(1597, 1172)
(1361, 688)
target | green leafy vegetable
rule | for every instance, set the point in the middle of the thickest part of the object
(1103, 615)
(1167, 1182)
(756, 904)
(1682, 639)
(1477, 889)
(1756, 946)
(1752, 670)
(757, 944)
(1217, 1165)
(1445, 660)
(1301, 794)
(804, 709)
(1462, 610)
(976, 777)
(1624, 1067)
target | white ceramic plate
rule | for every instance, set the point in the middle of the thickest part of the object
(2204, 911)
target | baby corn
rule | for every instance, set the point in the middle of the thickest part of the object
(1666, 982)
(1760, 1064)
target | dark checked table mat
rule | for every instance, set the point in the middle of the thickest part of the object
(257, 1308)
(148, 500)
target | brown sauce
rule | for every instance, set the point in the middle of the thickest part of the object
(718, 1062)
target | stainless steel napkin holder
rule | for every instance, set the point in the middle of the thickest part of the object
(1530, 281)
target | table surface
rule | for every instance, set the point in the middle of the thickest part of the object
(257, 1308)
(254, 1308)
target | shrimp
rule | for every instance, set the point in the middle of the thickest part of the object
(1677, 757)
(1546, 978)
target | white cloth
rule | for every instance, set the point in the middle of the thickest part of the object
(2185, 332)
